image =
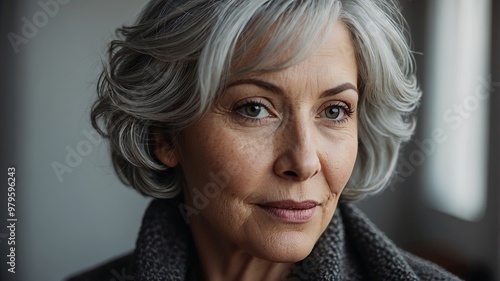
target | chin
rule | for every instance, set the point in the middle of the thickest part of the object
(289, 247)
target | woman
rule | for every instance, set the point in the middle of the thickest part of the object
(257, 122)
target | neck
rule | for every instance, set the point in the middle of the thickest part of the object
(222, 260)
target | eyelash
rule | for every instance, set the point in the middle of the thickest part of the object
(345, 107)
(249, 103)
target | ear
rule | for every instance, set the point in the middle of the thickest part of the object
(165, 152)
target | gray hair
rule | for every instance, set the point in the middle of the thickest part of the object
(165, 72)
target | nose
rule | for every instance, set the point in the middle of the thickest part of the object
(298, 159)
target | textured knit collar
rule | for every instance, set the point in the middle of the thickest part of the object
(351, 248)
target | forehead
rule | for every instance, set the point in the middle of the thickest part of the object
(332, 55)
(269, 43)
(336, 48)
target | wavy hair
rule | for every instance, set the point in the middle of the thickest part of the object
(165, 71)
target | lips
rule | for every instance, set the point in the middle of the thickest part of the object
(291, 211)
(291, 205)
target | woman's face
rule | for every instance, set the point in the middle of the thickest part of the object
(264, 169)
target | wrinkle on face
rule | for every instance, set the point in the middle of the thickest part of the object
(293, 138)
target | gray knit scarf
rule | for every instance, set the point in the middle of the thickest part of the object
(351, 248)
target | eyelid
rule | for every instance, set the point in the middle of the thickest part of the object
(344, 105)
(256, 100)
(346, 109)
(253, 101)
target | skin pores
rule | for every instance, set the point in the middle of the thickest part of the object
(284, 145)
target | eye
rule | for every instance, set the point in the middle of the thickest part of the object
(336, 112)
(333, 112)
(254, 110)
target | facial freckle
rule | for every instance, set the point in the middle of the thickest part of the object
(292, 156)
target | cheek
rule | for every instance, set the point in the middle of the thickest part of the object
(214, 150)
(339, 160)
(223, 170)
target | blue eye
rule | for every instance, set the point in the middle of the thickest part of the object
(253, 110)
(337, 112)
(334, 112)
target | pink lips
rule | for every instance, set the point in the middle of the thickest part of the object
(291, 211)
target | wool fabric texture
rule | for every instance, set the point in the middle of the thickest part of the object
(352, 248)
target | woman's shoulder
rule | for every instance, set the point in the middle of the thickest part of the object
(426, 270)
(381, 254)
(121, 268)
(382, 259)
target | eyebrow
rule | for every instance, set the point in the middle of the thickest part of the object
(273, 88)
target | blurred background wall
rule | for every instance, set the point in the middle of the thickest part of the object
(443, 204)
(73, 212)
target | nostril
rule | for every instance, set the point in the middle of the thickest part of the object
(291, 174)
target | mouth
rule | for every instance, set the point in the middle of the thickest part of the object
(291, 211)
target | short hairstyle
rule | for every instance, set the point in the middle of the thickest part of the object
(165, 71)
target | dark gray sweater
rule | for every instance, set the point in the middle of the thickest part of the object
(351, 248)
